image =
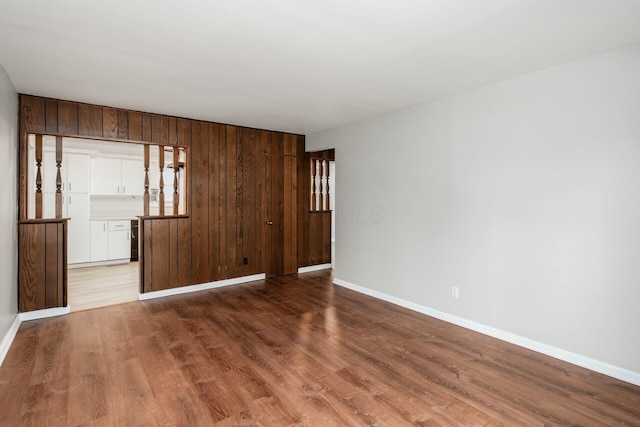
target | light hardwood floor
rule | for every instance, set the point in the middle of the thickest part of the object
(91, 287)
(291, 350)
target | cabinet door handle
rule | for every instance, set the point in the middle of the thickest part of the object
(124, 189)
(127, 235)
(69, 186)
(69, 199)
(104, 227)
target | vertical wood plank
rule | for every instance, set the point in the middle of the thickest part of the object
(148, 255)
(222, 204)
(123, 124)
(239, 209)
(173, 131)
(159, 129)
(173, 252)
(160, 258)
(184, 252)
(31, 271)
(62, 263)
(147, 134)
(200, 202)
(109, 122)
(52, 265)
(135, 126)
(286, 217)
(326, 238)
(214, 201)
(89, 120)
(260, 216)
(51, 111)
(68, 118)
(231, 214)
(250, 205)
(35, 108)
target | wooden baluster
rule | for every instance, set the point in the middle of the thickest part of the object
(176, 169)
(313, 185)
(321, 191)
(161, 195)
(58, 177)
(328, 193)
(146, 179)
(38, 176)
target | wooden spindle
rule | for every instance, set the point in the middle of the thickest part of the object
(146, 179)
(161, 195)
(313, 185)
(320, 191)
(176, 169)
(328, 193)
(58, 177)
(38, 176)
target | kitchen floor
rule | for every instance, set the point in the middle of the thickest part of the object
(92, 287)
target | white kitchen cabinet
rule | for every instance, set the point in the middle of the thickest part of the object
(74, 172)
(79, 231)
(119, 238)
(99, 241)
(116, 177)
(133, 177)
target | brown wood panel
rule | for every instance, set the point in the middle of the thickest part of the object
(173, 130)
(52, 265)
(31, 269)
(231, 206)
(123, 124)
(34, 109)
(51, 111)
(68, 118)
(135, 126)
(173, 252)
(326, 238)
(147, 133)
(250, 204)
(215, 132)
(239, 209)
(200, 202)
(159, 129)
(184, 252)
(261, 215)
(89, 120)
(222, 195)
(159, 256)
(146, 261)
(110, 122)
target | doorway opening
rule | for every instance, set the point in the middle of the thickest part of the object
(103, 187)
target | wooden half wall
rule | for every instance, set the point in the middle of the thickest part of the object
(221, 236)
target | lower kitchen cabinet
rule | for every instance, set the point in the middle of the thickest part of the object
(99, 241)
(110, 240)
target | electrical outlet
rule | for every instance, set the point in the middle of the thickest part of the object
(245, 261)
(454, 292)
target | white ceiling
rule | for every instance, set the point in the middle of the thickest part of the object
(293, 65)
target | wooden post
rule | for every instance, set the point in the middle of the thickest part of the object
(176, 169)
(313, 185)
(146, 179)
(161, 195)
(58, 177)
(38, 153)
(328, 197)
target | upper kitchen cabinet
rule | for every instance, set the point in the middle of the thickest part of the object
(116, 177)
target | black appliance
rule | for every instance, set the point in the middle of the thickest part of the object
(134, 240)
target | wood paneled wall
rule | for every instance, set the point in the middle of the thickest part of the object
(42, 274)
(314, 228)
(225, 222)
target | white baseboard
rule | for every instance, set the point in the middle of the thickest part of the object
(42, 314)
(200, 287)
(8, 338)
(567, 356)
(314, 268)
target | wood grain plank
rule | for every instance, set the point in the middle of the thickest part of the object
(34, 107)
(200, 202)
(184, 252)
(123, 124)
(110, 122)
(214, 201)
(31, 270)
(250, 205)
(51, 113)
(51, 265)
(160, 261)
(135, 126)
(68, 117)
(231, 206)
(90, 120)
(159, 129)
(173, 131)
(146, 259)
(222, 208)
(173, 252)
(147, 134)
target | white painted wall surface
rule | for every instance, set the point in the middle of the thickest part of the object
(525, 194)
(8, 203)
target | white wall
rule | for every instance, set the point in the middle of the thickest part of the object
(8, 203)
(524, 193)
